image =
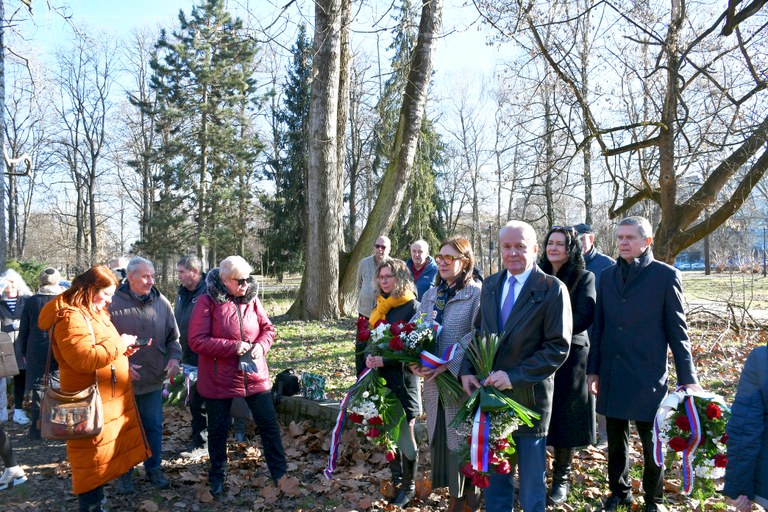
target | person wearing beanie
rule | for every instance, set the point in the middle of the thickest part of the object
(34, 342)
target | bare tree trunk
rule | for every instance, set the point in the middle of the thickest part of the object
(406, 140)
(3, 234)
(320, 282)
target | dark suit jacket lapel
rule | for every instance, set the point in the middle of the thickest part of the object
(494, 285)
(532, 293)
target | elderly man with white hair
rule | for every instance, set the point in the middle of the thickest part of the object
(140, 309)
(422, 266)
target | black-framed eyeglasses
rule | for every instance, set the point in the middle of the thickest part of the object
(447, 258)
(244, 281)
(379, 246)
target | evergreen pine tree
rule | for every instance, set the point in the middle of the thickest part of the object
(287, 209)
(203, 79)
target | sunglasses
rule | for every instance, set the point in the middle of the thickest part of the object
(447, 259)
(379, 246)
(244, 281)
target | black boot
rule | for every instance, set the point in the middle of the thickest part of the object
(92, 500)
(408, 490)
(396, 468)
(561, 470)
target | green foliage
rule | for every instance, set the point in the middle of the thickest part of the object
(285, 239)
(28, 270)
(205, 102)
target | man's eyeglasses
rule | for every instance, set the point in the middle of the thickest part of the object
(244, 281)
(379, 246)
(447, 259)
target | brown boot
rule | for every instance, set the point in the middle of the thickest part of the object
(456, 505)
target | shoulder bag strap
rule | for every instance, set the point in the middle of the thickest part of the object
(47, 378)
(93, 335)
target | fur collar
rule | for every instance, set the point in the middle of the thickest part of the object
(219, 293)
(50, 289)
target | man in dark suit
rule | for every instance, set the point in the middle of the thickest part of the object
(531, 313)
(638, 316)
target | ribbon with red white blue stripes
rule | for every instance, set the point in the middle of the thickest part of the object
(481, 432)
(431, 361)
(339, 427)
(668, 406)
(693, 443)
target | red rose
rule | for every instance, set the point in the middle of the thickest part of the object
(396, 343)
(501, 445)
(391, 456)
(678, 444)
(683, 423)
(396, 328)
(362, 323)
(724, 439)
(469, 440)
(721, 460)
(481, 481)
(363, 335)
(355, 418)
(376, 420)
(493, 458)
(373, 432)
(409, 328)
(467, 470)
(503, 467)
(378, 323)
(713, 411)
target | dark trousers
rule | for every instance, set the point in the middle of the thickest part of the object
(91, 501)
(6, 451)
(197, 408)
(263, 412)
(18, 389)
(618, 460)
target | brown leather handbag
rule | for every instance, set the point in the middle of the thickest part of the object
(70, 415)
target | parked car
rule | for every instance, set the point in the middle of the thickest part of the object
(698, 265)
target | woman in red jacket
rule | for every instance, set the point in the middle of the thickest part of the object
(231, 333)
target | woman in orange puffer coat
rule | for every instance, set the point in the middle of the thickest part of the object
(87, 346)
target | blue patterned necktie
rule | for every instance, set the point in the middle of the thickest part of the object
(509, 303)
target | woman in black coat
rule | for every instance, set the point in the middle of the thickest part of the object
(572, 424)
(396, 302)
(34, 342)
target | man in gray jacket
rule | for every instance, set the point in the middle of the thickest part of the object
(140, 309)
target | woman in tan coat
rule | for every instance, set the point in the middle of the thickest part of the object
(87, 346)
(453, 303)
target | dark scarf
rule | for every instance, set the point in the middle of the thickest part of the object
(625, 267)
(444, 294)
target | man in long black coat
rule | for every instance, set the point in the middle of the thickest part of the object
(639, 315)
(535, 339)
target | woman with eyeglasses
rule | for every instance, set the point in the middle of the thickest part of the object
(572, 424)
(396, 302)
(231, 334)
(453, 304)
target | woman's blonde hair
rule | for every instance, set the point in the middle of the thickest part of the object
(234, 267)
(403, 277)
